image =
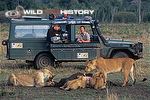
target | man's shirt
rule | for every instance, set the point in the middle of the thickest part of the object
(83, 36)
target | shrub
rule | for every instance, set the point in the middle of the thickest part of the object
(125, 17)
(146, 17)
(3, 19)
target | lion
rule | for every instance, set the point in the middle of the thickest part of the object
(80, 82)
(98, 80)
(72, 77)
(125, 65)
(40, 78)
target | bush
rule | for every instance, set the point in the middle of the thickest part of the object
(3, 19)
(125, 17)
(146, 17)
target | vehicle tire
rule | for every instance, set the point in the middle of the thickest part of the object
(44, 60)
(120, 55)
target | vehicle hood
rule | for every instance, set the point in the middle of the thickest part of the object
(119, 43)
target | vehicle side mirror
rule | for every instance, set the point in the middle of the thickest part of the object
(96, 23)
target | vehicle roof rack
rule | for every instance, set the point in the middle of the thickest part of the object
(32, 17)
(87, 18)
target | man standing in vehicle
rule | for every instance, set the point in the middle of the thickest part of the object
(83, 36)
(54, 34)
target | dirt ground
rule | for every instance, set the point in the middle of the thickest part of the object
(140, 91)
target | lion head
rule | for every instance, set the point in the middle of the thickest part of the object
(91, 65)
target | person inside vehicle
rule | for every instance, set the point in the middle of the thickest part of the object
(54, 34)
(83, 36)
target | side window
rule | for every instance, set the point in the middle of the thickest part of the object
(87, 29)
(58, 34)
(31, 31)
(84, 34)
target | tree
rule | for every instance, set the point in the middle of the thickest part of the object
(114, 6)
(138, 3)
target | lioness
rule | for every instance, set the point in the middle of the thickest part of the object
(80, 82)
(125, 65)
(72, 77)
(39, 78)
(98, 80)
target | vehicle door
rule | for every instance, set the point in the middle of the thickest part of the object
(75, 51)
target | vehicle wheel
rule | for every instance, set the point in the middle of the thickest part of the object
(44, 60)
(120, 55)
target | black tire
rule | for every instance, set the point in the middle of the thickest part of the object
(120, 55)
(44, 60)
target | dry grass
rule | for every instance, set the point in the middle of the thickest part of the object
(1, 50)
(112, 96)
(133, 32)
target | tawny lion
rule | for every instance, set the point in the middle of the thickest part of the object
(39, 78)
(98, 80)
(80, 82)
(125, 65)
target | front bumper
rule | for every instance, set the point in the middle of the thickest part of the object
(138, 48)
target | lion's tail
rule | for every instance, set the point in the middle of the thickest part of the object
(134, 72)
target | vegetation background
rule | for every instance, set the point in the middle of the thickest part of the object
(110, 11)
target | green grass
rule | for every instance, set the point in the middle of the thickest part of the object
(127, 29)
